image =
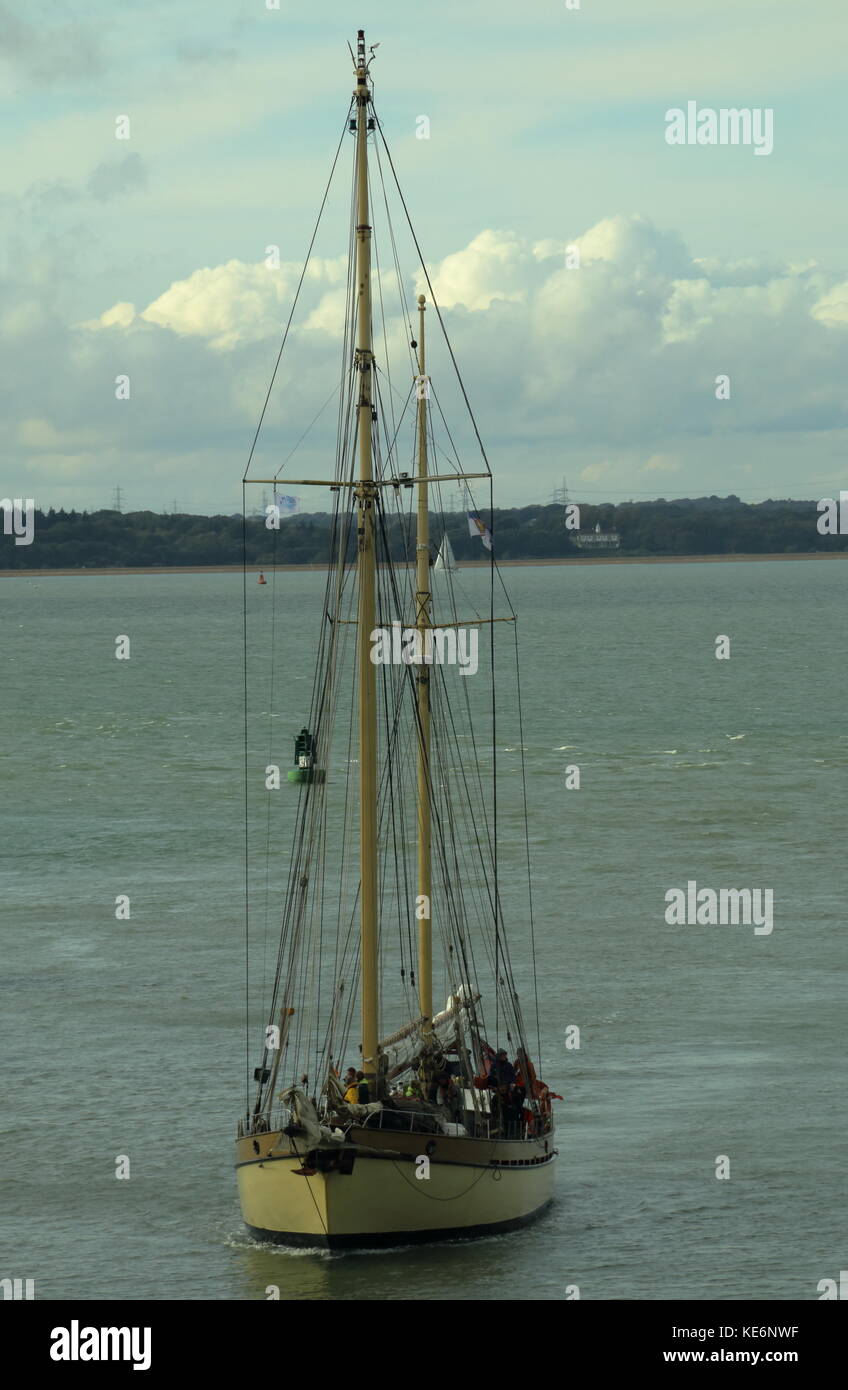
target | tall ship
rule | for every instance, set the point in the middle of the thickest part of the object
(394, 1089)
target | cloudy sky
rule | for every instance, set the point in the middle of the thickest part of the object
(145, 256)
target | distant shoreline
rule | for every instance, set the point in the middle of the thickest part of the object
(466, 564)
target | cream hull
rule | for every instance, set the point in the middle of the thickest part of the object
(474, 1187)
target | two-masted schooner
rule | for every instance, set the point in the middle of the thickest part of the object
(377, 1114)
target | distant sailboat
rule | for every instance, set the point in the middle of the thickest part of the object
(445, 558)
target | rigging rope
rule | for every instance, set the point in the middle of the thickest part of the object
(464, 815)
(297, 295)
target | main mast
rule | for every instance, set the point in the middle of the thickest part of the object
(422, 622)
(366, 609)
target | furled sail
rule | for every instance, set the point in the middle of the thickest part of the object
(403, 1049)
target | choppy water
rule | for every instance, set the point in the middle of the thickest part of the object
(697, 1041)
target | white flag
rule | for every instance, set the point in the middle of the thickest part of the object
(477, 528)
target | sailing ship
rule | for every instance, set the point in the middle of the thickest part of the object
(441, 1127)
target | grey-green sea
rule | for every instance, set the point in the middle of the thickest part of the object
(701, 1134)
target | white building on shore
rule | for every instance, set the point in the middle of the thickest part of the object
(597, 539)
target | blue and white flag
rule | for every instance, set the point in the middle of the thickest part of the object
(287, 505)
(476, 527)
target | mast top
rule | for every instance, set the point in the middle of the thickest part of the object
(361, 63)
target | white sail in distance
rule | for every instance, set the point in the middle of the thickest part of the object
(445, 558)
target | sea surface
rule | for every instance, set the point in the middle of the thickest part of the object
(697, 1042)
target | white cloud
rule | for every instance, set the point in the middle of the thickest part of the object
(228, 304)
(329, 314)
(236, 303)
(661, 463)
(594, 471)
(62, 465)
(24, 319)
(608, 370)
(637, 293)
(40, 434)
(832, 308)
(119, 316)
(492, 266)
(688, 310)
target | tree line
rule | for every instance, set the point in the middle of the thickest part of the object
(691, 526)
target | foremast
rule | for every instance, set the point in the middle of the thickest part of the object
(365, 494)
(423, 625)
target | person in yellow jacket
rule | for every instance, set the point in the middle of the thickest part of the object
(351, 1095)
